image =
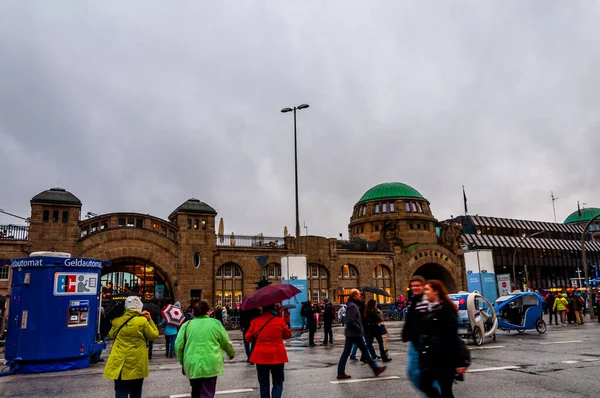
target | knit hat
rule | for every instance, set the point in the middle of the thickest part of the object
(133, 303)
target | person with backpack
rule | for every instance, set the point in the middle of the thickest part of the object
(578, 304)
(128, 363)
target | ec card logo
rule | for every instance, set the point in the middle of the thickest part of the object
(75, 283)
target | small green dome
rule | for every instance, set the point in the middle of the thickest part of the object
(390, 190)
(586, 215)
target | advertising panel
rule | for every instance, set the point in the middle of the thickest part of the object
(480, 273)
(294, 272)
(504, 284)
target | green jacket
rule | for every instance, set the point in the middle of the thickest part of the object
(560, 304)
(129, 357)
(205, 340)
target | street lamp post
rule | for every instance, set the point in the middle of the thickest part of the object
(584, 264)
(515, 254)
(285, 110)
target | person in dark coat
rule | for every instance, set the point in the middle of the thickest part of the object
(154, 311)
(410, 333)
(551, 311)
(439, 348)
(219, 314)
(354, 335)
(246, 318)
(311, 323)
(373, 320)
(328, 317)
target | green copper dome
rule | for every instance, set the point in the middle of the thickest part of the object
(390, 190)
(586, 215)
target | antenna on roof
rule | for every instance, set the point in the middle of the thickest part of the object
(554, 199)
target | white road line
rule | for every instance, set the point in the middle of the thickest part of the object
(569, 361)
(217, 393)
(590, 360)
(562, 342)
(491, 369)
(361, 380)
(491, 347)
(166, 367)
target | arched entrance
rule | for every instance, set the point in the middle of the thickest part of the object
(135, 276)
(436, 271)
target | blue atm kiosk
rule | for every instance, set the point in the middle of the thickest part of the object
(53, 314)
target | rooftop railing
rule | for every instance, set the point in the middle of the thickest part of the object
(14, 232)
(257, 241)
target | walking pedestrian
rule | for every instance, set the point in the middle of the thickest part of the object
(246, 318)
(578, 303)
(199, 347)
(416, 306)
(570, 309)
(439, 347)
(328, 316)
(267, 333)
(219, 314)
(560, 305)
(311, 323)
(354, 335)
(170, 335)
(128, 362)
(551, 311)
(373, 320)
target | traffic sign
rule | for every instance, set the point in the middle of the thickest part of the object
(262, 261)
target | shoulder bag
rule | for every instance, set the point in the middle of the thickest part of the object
(123, 325)
(184, 342)
(261, 329)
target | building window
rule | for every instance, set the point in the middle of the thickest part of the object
(407, 205)
(163, 230)
(425, 226)
(84, 232)
(65, 218)
(318, 281)
(376, 228)
(228, 288)
(392, 207)
(382, 279)
(94, 227)
(195, 296)
(418, 226)
(121, 222)
(348, 271)
(419, 207)
(104, 225)
(274, 271)
(411, 226)
(196, 260)
(130, 222)
(155, 226)
(384, 208)
(413, 207)
(189, 223)
(364, 210)
(362, 230)
(46, 216)
(203, 224)
(4, 272)
(196, 223)
(376, 208)
(139, 223)
(55, 216)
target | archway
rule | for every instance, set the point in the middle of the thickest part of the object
(135, 276)
(436, 271)
(229, 282)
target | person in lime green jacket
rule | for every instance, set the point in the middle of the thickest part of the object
(199, 348)
(560, 304)
(127, 363)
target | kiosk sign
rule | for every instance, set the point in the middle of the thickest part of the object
(75, 283)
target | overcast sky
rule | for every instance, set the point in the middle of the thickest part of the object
(138, 105)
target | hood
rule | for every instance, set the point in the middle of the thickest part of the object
(177, 304)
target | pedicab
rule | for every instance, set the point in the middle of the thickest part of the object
(520, 311)
(476, 316)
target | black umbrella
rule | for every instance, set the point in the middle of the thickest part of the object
(289, 306)
(374, 290)
(153, 310)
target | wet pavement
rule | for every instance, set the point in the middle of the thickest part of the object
(564, 362)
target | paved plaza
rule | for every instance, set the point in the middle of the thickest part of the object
(563, 362)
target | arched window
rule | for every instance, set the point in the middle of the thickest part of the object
(228, 285)
(274, 271)
(318, 282)
(348, 281)
(383, 280)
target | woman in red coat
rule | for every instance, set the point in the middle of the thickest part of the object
(267, 333)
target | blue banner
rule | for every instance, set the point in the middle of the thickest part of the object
(295, 317)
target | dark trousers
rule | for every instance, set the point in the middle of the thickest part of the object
(362, 346)
(550, 313)
(150, 347)
(247, 346)
(375, 334)
(170, 345)
(128, 388)
(311, 335)
(264, 372)
(328, 331)
(445, 380)
(204, 388)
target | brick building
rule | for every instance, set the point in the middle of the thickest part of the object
(393, 235)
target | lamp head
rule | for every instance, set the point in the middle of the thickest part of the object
(303, 106)
(284, 110)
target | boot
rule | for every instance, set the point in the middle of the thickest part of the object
(385, 357)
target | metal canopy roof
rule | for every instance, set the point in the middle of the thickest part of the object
(483, 221)
(492, 241)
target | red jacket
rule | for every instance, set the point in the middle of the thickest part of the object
(268, 348)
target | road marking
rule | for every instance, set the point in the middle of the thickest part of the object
(491, 347)
(569, 361)
(590, 360)
(166, 367)
(217, 393)
(491, 369)
(562, 342)
(361, 380)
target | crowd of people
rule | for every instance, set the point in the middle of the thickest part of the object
(436, 355)
(570, 307)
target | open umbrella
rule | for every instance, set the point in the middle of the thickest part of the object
(374, 290)
(173, 315)
(269, 295)
(289, 306)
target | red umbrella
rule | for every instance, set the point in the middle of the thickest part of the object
(173, 315)
(269, 295)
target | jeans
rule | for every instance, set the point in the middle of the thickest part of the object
(204, 388)
(150, 347)
(263, 372)
(311, 336)
(355, 348)
(128, 388)
(170, 345)
(563, 317)
(303, 322)
(328, 331)
(376, 334)
(444, 378)
(247, 346)
(360, 343)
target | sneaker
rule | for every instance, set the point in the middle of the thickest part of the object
(342, 376)
(379, 371)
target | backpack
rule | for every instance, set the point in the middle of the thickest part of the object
(580, 300)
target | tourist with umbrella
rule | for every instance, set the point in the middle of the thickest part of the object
(173, 317)
(267, 333)
(199, 347)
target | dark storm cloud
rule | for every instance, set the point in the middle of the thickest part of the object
(139, 106)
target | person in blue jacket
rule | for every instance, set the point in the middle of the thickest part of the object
(170, 336)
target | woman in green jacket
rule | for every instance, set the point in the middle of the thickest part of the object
(561, 304)
(199, 347)
(127, 363)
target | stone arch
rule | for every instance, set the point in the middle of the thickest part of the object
(436, 271)
(436, 262)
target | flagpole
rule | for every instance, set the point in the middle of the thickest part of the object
(465, 200)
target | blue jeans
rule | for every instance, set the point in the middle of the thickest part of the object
(360, 343)
(263, 372)
(170, 344)
(412, 368)
(355, 348)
